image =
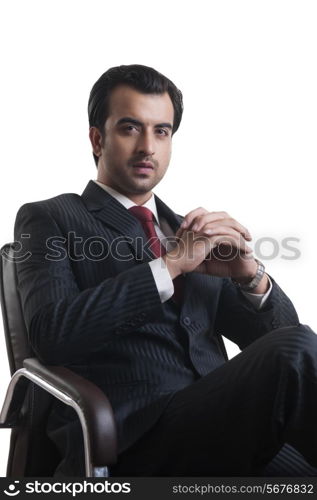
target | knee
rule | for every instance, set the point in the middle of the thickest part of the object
(291, 343)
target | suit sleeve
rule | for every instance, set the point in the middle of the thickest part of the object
(64, 323)
(238, 320)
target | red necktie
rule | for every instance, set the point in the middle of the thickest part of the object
(146, 217)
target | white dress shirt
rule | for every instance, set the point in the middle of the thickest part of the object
(158, 267)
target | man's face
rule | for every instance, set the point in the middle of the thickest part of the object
(136, 149)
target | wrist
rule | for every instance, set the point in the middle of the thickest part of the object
(263, 286)
(243, 280)
(252, 284)
(172, 265)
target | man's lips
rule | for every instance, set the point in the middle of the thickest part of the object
(143, 164)
(143, 167)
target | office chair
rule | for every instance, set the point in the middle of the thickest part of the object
(32, 390)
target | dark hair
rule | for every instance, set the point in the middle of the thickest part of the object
(143, 78)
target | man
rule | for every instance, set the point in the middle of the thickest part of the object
(144, 321)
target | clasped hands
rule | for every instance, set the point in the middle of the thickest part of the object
(213, 243)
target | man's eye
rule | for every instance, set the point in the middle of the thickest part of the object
(129, 129)
(162, 131)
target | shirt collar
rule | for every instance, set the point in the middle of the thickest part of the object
(126, 202)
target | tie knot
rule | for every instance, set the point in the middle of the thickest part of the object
(142, 213)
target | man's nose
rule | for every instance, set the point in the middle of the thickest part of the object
(145, 145)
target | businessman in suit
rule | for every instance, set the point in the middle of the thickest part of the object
(136, 298)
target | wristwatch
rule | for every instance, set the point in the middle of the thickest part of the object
(250, 285)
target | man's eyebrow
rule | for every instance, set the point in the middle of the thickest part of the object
(128, 119)
(164, 125)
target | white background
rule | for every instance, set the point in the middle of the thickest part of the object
(247, 144)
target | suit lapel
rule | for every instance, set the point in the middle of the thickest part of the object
(114, 215)
(172, 218)
(108, 210)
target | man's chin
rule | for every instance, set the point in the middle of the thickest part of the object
(141, 188)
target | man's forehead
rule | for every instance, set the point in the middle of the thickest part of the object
(127, 101)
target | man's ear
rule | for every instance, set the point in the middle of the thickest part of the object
(96, 140)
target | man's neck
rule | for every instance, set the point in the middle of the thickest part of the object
(138, 199)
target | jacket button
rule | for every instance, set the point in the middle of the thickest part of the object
(187, 321)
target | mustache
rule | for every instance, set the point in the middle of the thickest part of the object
(148, 158)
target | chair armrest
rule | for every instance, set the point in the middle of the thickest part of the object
(90, 403)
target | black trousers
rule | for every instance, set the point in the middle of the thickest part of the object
(255, 415)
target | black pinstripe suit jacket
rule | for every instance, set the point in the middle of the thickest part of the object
(91, 303)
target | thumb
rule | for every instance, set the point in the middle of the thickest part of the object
(179, 232)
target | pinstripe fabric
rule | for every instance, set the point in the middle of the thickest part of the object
(102, 316)
(235, 420)
(289, 463)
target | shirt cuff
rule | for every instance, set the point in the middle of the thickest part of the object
(162, 278)
(258, 299)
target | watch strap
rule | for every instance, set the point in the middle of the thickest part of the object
(250, 285)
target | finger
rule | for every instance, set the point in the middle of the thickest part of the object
(188, 219)
(210, 227)
(200, 220)
(227, 253)
(179, 232)
(231, 238)
(233, 248)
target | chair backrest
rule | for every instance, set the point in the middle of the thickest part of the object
(14, 326)
(31, 452)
